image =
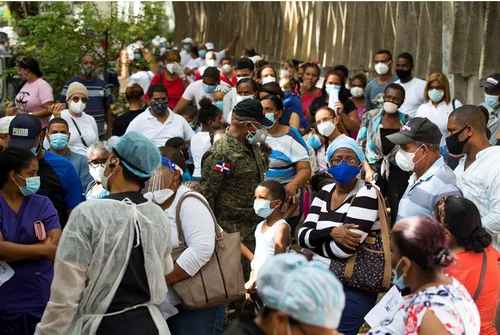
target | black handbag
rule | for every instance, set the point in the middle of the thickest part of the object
(369, 269)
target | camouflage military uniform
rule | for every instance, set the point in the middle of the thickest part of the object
(231, 171)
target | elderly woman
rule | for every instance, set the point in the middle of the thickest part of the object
(82, 127)
(343, 218)
(97, 156)
(475, 263)
(437, 304)
(299, 297)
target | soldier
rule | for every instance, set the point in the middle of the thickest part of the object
(233, 168)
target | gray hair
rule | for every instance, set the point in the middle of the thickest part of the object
(99, 147)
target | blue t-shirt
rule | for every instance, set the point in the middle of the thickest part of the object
(81, 167)
(68, 178)
(29, 289)
(293, 104)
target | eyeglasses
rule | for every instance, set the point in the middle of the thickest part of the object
(350, 161)
(97, 162)
(77, 99)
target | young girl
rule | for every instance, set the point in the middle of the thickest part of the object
(272, 236)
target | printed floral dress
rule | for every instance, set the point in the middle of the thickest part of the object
(451, 304)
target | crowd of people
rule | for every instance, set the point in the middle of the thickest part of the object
(339, 186)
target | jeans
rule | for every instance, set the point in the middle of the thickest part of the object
(18, 323)
(357, 304)
(208, 321)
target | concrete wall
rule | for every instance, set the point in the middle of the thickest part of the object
(459, 38)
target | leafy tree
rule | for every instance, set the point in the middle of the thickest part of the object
(63, 32)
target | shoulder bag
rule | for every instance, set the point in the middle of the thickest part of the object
(218, 282)
(369, 269)
(79, 133)
(480, 284)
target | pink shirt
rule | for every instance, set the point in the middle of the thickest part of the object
(32, 96)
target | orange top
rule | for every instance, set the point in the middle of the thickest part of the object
(467, 269)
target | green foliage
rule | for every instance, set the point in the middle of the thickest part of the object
(64, 32)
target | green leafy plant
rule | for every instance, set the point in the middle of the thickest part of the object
(63, 32)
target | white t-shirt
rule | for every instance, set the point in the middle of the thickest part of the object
(195, 63)
(438, 115)
(88, 129)
(195, 92)
(200, 143)
(185, 58)
(198, 228)
(148, 125)
(414, 95)
(142, 78)
(264, 247)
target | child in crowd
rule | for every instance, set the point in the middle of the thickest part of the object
(272, 235)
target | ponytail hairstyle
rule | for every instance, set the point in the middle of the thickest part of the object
(423, 240)
(208, 111)
(461, 217)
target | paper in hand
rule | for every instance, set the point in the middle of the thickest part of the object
(333, 99)
(386, 307)
(6, 273)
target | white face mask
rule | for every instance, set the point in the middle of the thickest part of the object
(174, 68)
(381, 68)
(226, 68)
(357, 91)
(268, 79)
(76, 107)
(159, 196)
(405, 160)
(97, 172)
(240, 98)
(284, 74)
(390, 107)
(326, 128)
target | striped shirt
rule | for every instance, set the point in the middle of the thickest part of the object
(360, 208)
(286, 151)
(423, 193)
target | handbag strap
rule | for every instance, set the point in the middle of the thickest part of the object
(386, 242)
(218, 229)
(480, 284)
(79, 133)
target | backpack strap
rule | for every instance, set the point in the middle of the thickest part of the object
(480, 284)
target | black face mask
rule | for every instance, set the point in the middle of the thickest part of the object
(159, 108)
(404, 75)
(455, 146)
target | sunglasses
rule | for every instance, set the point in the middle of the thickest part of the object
(77, 99)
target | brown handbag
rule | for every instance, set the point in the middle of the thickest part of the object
(369, 269)
(218, 282)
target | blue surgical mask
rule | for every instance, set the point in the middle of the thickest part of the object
(202, 53)
(331, 88)
(314, 142)
(490, 101)
(262, 208)
(344, 173)
(436, 95)
(270, 117)
(58, 141)
(209, 89)
(32, 185)
(398, 280)
(219, 104)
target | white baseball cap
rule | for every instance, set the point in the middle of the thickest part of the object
(4, 124)
(187, 40)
